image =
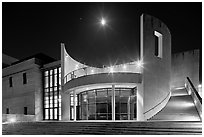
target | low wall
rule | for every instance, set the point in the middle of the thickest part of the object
(17, 117)
(195, 96)
(103, 78)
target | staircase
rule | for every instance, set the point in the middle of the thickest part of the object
(179, 108)
(179, 117)
(103, 128)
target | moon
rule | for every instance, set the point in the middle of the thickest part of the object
(103, 22)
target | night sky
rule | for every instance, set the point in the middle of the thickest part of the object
(31, 28)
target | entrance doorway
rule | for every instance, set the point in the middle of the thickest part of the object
(97, 104)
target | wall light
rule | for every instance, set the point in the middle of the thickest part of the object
(190, 91)
(124, 66)
(92, 71)
(111, 69)
(195, 101)
(199, 86)
(139, 63)
(12, 119)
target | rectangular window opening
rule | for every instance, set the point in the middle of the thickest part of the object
(7, 110)
(10, 82)
(158, 44)
(25, 110)
(24, 78)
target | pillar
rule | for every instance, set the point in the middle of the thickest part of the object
(140, 103)
(66, 102)
(113, 102)
(128, 107)
(74, 101)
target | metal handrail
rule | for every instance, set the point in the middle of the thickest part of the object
(84, 68)
(194, 90)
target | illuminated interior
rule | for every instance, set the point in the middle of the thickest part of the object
(52, 97)
(97, 104)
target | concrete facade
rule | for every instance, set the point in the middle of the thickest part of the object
(156, 70)
(22, 95)
(185, 64)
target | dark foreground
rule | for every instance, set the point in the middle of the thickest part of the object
(103, 128)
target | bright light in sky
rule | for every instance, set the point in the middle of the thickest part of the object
(103, 21)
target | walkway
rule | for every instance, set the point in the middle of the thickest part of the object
(179, 108)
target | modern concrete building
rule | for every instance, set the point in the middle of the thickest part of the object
(68, 90)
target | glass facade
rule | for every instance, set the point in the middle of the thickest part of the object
(97, 104)
(90, 105)
(52, 97)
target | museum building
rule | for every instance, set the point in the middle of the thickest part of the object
(39, 88)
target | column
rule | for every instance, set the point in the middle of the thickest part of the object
(74, 101)
(113, 102)
(66, 102)
(129, 108)
(140, 103)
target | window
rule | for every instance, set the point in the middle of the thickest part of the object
(10, 82)
(52, 98)
(156, 52)
(158, 44)
(7, 110)
(24, 78)
(25, 111)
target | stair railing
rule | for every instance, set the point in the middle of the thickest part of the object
(195, 96)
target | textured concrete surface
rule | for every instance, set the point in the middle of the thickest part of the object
(185, 64)
(179, 108)
(156, 70)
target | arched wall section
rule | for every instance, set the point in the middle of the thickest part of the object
(156, 56)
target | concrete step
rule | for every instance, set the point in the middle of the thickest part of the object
(179, 91)
(105, 128)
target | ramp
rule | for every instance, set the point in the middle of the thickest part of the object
(179, 108)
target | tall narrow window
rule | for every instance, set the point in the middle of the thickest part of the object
(158, 44)
(52, 98)
(25, 110)
(7, 110)
(10, 82)
(24, 78)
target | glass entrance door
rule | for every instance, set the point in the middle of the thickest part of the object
(125, 104)
(97, 104)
